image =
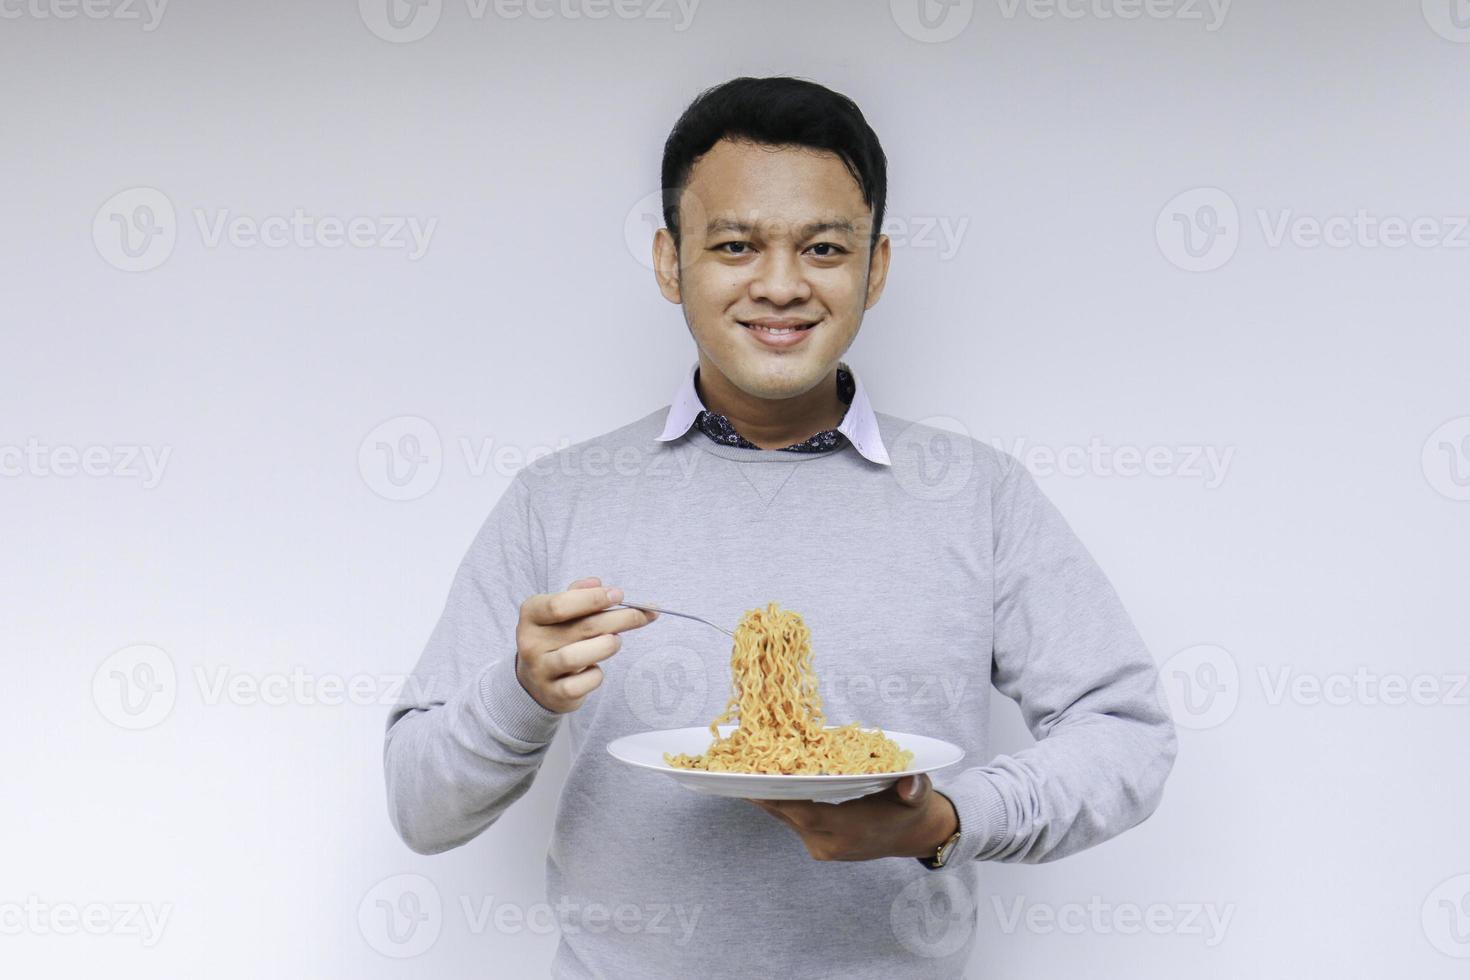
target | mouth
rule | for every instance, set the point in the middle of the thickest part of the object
(778, 332)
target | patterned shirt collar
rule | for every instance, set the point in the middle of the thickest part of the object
(859, 425)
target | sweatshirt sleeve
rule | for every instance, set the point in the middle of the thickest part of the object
(1068, 654)
(465, 739)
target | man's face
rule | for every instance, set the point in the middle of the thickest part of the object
(773, 235)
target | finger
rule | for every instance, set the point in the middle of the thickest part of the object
(911, 790)
(767, 806)
(577, 657)
(552, 608)
(617, 620)
(803, 815)
(574, 687)
(814, 818)
(585, 583)
(538, 642)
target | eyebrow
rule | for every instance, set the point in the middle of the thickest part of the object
(806, 231)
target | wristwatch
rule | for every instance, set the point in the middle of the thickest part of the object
(941, 853)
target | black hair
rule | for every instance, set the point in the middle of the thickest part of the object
(775, 111)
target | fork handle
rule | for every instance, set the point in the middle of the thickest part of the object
(642, 605)
(670, 612)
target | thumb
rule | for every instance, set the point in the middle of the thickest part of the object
(913, 789)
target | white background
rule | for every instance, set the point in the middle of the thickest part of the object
(1329, 836)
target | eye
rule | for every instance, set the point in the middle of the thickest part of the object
(733, 248)
(834, 250)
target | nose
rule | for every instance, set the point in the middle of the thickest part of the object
(780, 279)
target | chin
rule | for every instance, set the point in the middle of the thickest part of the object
(778, 380)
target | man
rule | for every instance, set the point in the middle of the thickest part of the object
(927, 566)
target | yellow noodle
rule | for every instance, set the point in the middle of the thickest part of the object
(776, 705)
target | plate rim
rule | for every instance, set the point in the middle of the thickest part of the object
(800, 777)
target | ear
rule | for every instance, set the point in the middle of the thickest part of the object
(877, 271)
(666, 266)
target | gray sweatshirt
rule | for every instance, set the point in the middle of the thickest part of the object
(923, 582)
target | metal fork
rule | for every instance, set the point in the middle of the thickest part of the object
(669, 612)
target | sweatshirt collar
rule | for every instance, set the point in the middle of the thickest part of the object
(859, 425)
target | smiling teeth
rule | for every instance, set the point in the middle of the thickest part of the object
(778, 331)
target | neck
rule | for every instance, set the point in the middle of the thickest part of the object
(772, 423)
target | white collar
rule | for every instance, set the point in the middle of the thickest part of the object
(859, 425)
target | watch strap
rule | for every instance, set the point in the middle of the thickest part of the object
(941, 853)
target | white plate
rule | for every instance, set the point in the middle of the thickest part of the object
(646, 750)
